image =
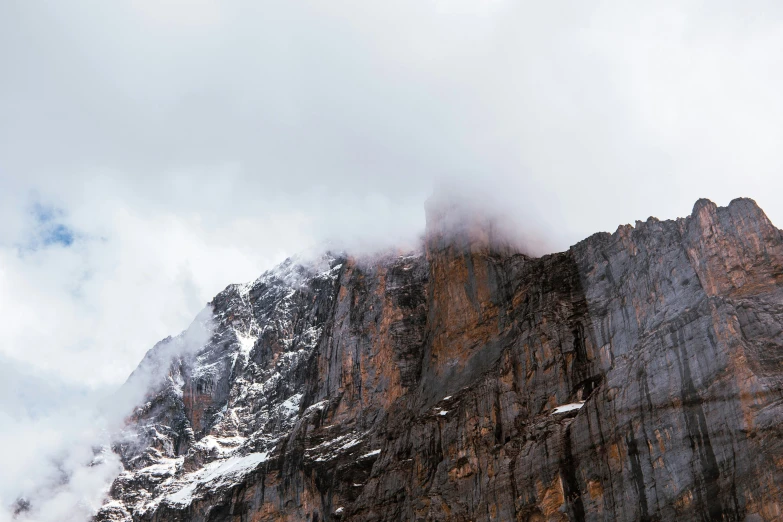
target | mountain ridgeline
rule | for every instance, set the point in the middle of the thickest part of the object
(637, 376)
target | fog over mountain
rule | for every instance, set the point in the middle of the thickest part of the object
(153, 152)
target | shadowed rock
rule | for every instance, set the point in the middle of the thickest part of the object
(636, 376)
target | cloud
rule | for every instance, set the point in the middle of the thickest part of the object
(56, 437)
(152, 152)
(153, 370)
(50, 435)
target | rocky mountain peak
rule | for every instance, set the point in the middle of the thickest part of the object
(636, 376)
(458, 222)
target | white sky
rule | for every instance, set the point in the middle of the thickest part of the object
(190, 144)
(154, 151)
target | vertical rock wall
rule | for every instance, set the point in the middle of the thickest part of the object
(636, 376)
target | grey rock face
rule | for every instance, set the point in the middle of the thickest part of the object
(636, 376)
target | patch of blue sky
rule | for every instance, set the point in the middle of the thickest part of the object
(58, 234)
(49, 228)
(45, 213)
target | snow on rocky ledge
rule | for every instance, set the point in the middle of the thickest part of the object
(214, 475)
(565, 408)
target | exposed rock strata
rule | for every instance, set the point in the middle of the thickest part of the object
(636, 376)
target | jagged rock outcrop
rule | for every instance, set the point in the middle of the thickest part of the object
(636, 376)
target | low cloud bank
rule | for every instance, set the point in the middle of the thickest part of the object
(55, 441)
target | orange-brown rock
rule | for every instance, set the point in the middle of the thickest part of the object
(637, 376)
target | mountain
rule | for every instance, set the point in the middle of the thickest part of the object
(636, 376)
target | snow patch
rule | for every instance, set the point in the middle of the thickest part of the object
(349, 444)
(210, 370)
(224, 446)
(317, 406)
(246, 343)
(290, 406)
(563, 408)
(164, 468)
(216, 474)
(335, 446)
(371, 454)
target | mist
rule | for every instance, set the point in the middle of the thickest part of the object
(153, 152)
(56, 442)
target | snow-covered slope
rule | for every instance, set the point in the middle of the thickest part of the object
(221, 409)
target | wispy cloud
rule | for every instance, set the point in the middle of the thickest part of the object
(172, 148)
(55, 445)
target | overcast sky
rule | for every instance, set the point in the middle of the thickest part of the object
(154, 151)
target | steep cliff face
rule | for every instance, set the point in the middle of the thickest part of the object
(636, 376)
